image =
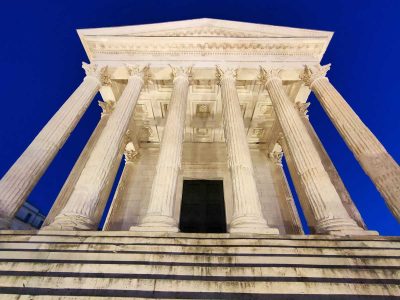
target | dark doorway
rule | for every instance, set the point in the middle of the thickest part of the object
(203, 207)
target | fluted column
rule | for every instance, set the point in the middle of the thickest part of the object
(372, 156)
(80, 209)
(325, 203)
(21, 178)
(130, 155)
(159, 215)
(288, 207)
(329, 167)
(247, 214)
(76, 171)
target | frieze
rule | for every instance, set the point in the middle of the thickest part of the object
(158, 47)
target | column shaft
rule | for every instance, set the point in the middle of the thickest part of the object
(372, 156)
(329, 212)
(76, 171)
(78, 213)
(247, 213)
(130, 155)
(21, 178)
(300, 191)
(330, 168)
(159, 215)
(288, 207)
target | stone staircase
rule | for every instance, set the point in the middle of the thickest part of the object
(120, 264)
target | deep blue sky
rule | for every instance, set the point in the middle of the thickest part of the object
(40, 57)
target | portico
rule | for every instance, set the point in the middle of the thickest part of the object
(203, 100)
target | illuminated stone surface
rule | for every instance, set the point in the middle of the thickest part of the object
(216, 118)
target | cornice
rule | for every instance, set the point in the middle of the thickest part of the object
(205, 46)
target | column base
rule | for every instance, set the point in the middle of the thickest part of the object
(70, 222)
(342, 227)
(248, 224)
(5, 223)
(156, 224)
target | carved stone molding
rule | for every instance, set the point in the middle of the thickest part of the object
(206, 31)
(311, 74)
(147, 46)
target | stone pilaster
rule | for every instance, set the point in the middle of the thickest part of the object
(159, 215)
(247, 214)
(78, 213)
(325, 203)
(68, 187)
(21, 178)
(372, 156)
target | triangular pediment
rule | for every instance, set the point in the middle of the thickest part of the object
(202, 40)
(206, 28)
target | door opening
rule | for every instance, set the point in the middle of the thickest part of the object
(203, 207)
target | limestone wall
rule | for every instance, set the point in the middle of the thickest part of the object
(199, 161)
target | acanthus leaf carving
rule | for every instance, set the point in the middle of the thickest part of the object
(267, 74)
(311, 74)
(303, 108)
(225, 73)
(276, 157)
(139, 71)
(130, 152)
(107, 107)
(179, 72)
(100, 73)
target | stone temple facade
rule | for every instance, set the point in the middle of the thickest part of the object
(200, 113)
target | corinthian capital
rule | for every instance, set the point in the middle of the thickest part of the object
(99, 73)
(107, 107)
(181, 72)
(303, 108)
(225, 73)
(276, 157)
(311, 74)
(267, 74)
(139, 71)
(130, 152)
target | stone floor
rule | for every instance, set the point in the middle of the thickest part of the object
(108, 265)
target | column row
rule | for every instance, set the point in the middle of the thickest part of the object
(325, 203)
(21, 178)
(79, 211)
(370, 153)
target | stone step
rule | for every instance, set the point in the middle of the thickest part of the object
(198, 259)
(187, 250)
(228, 271)
(89, 265)
(191, 286)
(244, 242)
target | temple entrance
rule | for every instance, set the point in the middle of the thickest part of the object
(203, 207)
